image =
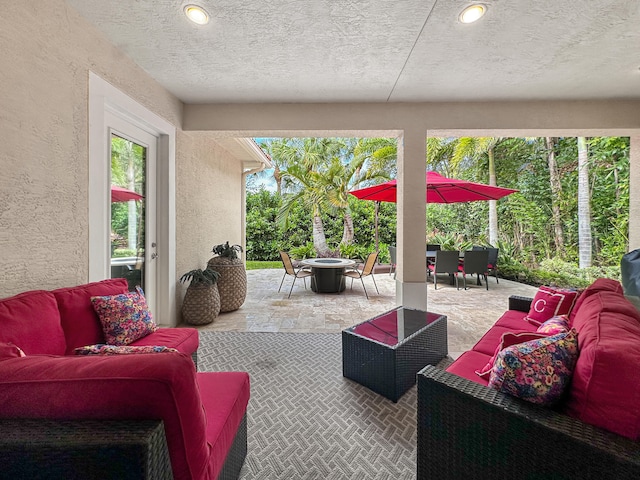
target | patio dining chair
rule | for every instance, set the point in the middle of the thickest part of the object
(296, 273)
(475, 261)
(365, 272)
(446, 261)
(492, 263)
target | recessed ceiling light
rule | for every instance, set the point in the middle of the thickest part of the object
(196, 14)
(472, 13)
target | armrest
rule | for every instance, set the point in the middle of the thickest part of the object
(59, 449)
(522, 304)
(466, 430)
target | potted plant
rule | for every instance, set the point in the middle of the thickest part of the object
(233, 281)
(201, 303)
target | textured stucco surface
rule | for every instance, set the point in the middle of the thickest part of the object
(208, 202)
(44, 63)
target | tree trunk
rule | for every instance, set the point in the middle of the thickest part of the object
(584, 205)
(556, 190)
(319, 238)
(277, 175)
(493, 204)
(347, 232)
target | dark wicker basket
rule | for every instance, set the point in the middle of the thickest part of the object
(232, 283)
(201, 304)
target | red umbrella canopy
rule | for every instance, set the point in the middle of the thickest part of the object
(119, 194)
(439, 190)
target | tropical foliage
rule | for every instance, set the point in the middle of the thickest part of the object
(538, 230)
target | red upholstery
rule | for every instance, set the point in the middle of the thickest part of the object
(225, 396)
(467, 364)
(605, 389)
(120, 386)
(515, 322)
(79, 320)
(185, 340)
(31, 321)
(601, 284)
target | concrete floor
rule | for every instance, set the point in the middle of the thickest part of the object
(470, 312)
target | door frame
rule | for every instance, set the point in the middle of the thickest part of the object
(106, 100)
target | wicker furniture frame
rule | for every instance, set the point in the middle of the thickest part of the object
(390, 370)
(36, 449)
(466, 430)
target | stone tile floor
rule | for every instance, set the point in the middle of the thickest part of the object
(470, 312)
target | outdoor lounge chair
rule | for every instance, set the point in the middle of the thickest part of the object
(392, 261)
(289, 269)
(365, 272)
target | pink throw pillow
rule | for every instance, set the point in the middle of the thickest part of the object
(538, 371)
(550, 302)
(555, 325)
(125, 317)
(102, 349)
(508, 339)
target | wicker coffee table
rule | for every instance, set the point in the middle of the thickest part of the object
(386, 352)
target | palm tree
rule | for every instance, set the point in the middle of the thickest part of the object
(477, 148)
(556, 191)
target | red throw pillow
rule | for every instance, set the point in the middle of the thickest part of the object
(9, 350)
(550, 302)
(508, 339)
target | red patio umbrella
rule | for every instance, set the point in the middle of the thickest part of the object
(119, 194)
(439, 190)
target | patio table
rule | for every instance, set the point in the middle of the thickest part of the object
(327, 272)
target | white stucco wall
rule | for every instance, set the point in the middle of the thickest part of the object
(208, 202)
(45, 58)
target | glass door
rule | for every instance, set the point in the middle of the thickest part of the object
(132, 231)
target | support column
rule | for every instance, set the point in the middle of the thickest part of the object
(411, 286)
(634, 193)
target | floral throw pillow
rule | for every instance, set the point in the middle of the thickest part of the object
(537, 371)
(103, 349)
(125, 317)
(507, 340)
(557, 324)
(550, 302)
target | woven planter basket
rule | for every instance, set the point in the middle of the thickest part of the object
(232, 283)
(201, 304)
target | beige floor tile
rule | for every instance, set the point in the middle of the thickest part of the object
(470, 313)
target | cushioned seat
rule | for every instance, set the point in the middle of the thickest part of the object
(225, 396)
(467, 364)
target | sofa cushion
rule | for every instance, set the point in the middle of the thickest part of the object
(103, 349)
(185, 340)
(466, 365)
(79, 320)
(492, 338)
(557, 324)
(124, 317)
(114, 387)
(538, 371)
(225, 396)
(605, 390)
(31, 321)
(550, 302)
(599, 285)
(507, 339)
(513, 320)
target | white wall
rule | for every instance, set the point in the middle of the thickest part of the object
(45, 58)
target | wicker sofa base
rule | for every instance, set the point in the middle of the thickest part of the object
(466, 430)
(83, 449)
(35, 449)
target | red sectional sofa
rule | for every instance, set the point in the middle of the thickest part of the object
(110, 416)
(468, 430)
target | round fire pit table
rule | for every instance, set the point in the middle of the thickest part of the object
(328, 272)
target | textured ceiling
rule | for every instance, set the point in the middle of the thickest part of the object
(379, 50)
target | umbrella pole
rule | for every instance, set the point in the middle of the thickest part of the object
(377, 206)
